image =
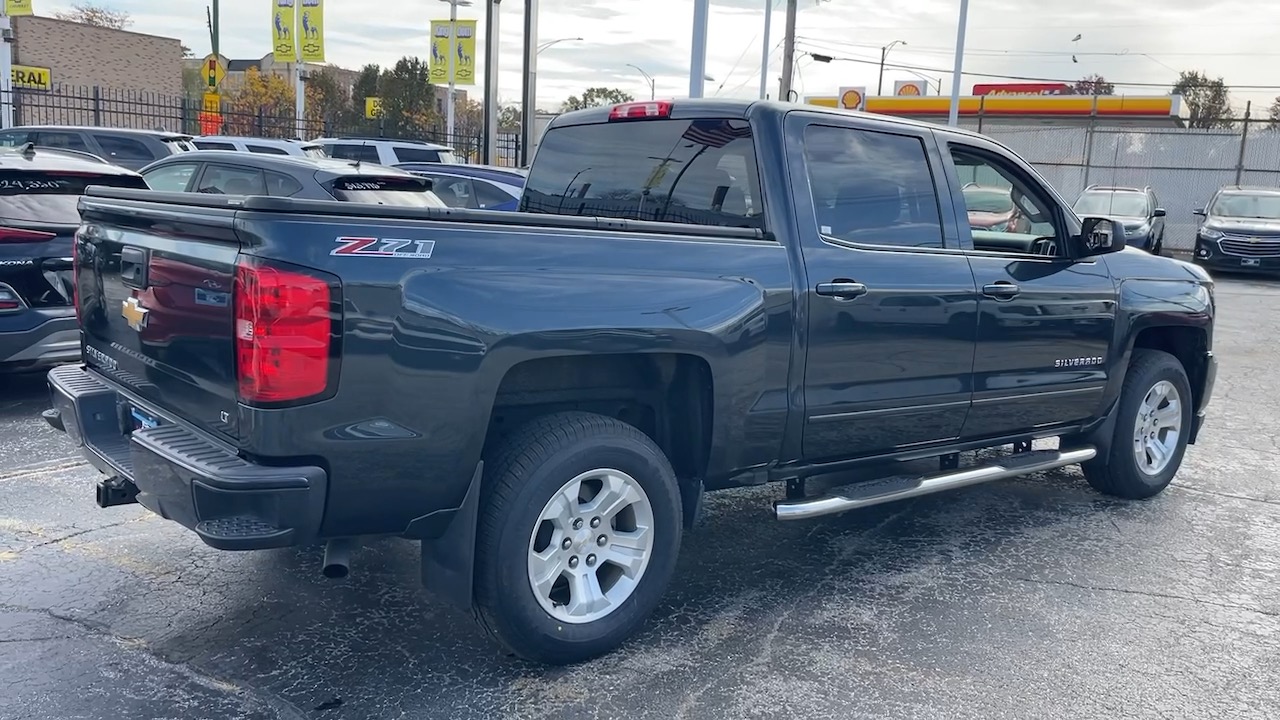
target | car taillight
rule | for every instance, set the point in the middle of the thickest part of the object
(18, 235)
(9, 299)
(641, 110)
(283, 326)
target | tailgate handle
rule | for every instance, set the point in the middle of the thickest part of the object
(133, 267)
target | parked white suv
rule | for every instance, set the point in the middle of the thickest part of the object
(264, 146)
(386, 152)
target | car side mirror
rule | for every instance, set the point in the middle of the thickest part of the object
(1159, 212)
(1200, 212)
(1100, 236)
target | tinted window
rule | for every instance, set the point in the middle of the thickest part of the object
(281, 185)
(454, 191)
(210, 145)
(123, 149)
(1265, 206)
(404, 192)
(488, 195)
(267, 150)
(872, 187)
(412, 154)
(1032, 226)
(707, 176)
(66, 140)
(363, 153)
(51, 197)
(171, 178)
(229, 180)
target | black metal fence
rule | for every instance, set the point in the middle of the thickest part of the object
(111, 107)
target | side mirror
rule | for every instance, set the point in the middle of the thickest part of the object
(1199, 211)
(1100, 236)
(1159, 212)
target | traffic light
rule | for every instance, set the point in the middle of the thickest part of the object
(211, 73)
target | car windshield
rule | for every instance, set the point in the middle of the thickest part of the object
(1264, 206)
(987, 201)
(1123, 204)
(402, 192)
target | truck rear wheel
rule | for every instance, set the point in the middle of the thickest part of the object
(1152, 423)
(578, 536)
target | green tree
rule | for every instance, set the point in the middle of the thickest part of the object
(596, 97)
(509, 117)
(1093, 85)
(328, 102)
(1273, 114)
(1207, 100)
(365, 86)
(408, 99)
(89, 13)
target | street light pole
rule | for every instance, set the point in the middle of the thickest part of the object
(491, 53)
(453, 57)
(6, 70)
(953, 118)
(549, 43)
(884, 53)
(648, 78)
(529, 98)
(698, 60)
(764, 50)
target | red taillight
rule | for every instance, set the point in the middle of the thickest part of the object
(18, 235)
(641, 110)
(9, 299)
(282, 326)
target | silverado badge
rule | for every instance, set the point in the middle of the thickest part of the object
(134, 313)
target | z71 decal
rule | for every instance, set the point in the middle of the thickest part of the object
(383, 247)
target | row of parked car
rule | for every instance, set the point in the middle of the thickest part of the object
(44, 170)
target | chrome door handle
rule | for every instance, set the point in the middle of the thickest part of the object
(846, 290)
(1002, 290)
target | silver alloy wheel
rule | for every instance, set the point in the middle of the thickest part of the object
(1157, 428)
(590, 546)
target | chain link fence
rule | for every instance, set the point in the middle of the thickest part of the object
(109, 107)
(1183, 166)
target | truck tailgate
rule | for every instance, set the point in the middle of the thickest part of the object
(154, 289)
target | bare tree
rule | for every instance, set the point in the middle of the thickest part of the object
(99, 15)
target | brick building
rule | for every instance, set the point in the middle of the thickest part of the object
(79, 55)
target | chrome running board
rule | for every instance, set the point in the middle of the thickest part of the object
(861, 495)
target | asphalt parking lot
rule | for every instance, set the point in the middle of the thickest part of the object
(1034, 598)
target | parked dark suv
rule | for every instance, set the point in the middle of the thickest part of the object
(1137, 208)
(39, 189)
(1240, 230)
(132, 149)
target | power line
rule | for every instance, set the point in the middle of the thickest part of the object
(995, 52)
(1024, 78)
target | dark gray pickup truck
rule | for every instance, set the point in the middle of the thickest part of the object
(695, 296)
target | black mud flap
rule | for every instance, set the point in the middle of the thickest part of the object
(448, 560)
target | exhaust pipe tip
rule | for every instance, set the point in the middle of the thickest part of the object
(337, 559)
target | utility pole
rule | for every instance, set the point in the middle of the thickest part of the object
(299, 90)
(492, 40)
(529, 106)
(953, 118)
(213, 31)
(6, 69)
(698, 60)
(764, 50)
(788, 52)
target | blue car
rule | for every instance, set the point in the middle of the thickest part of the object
(478, 187)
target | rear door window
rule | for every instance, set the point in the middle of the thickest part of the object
(351, 151)
(266, 150)
(701, 172)
(411, 154)
(456, 192)
(13, 138)
(122, 149)
(213, 145)
(51, 198)
(232, 180)
(63, 140)
(489, 195)
(280, 185)
(171, 178)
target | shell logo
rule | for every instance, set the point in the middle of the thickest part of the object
(909, 89)
(851, 100)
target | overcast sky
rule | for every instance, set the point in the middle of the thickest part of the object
(1141, 41)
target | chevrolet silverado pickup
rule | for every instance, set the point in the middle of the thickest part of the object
(694, 295)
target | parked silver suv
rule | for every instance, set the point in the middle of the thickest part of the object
(386, 152)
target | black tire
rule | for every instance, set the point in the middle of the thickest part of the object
(1118, 473)
(521, 475)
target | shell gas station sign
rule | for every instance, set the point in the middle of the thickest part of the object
(910, 88)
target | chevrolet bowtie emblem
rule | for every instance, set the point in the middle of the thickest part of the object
(134, 313)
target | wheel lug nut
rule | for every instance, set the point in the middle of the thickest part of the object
(566, 543)
(602, 540)
(577, 523)
(591, 560)
(595, 522)
(573, 561)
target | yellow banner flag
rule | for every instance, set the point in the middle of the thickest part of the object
(463, 52)
(14, 8)
(283, 25)
(311, 27)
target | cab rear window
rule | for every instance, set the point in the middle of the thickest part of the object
(702, 172)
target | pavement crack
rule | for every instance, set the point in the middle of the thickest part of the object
(78, 533)
(1150, 594)
(1275, 503)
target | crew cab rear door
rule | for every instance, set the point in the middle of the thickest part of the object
(1046, 318)
(890, 297)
